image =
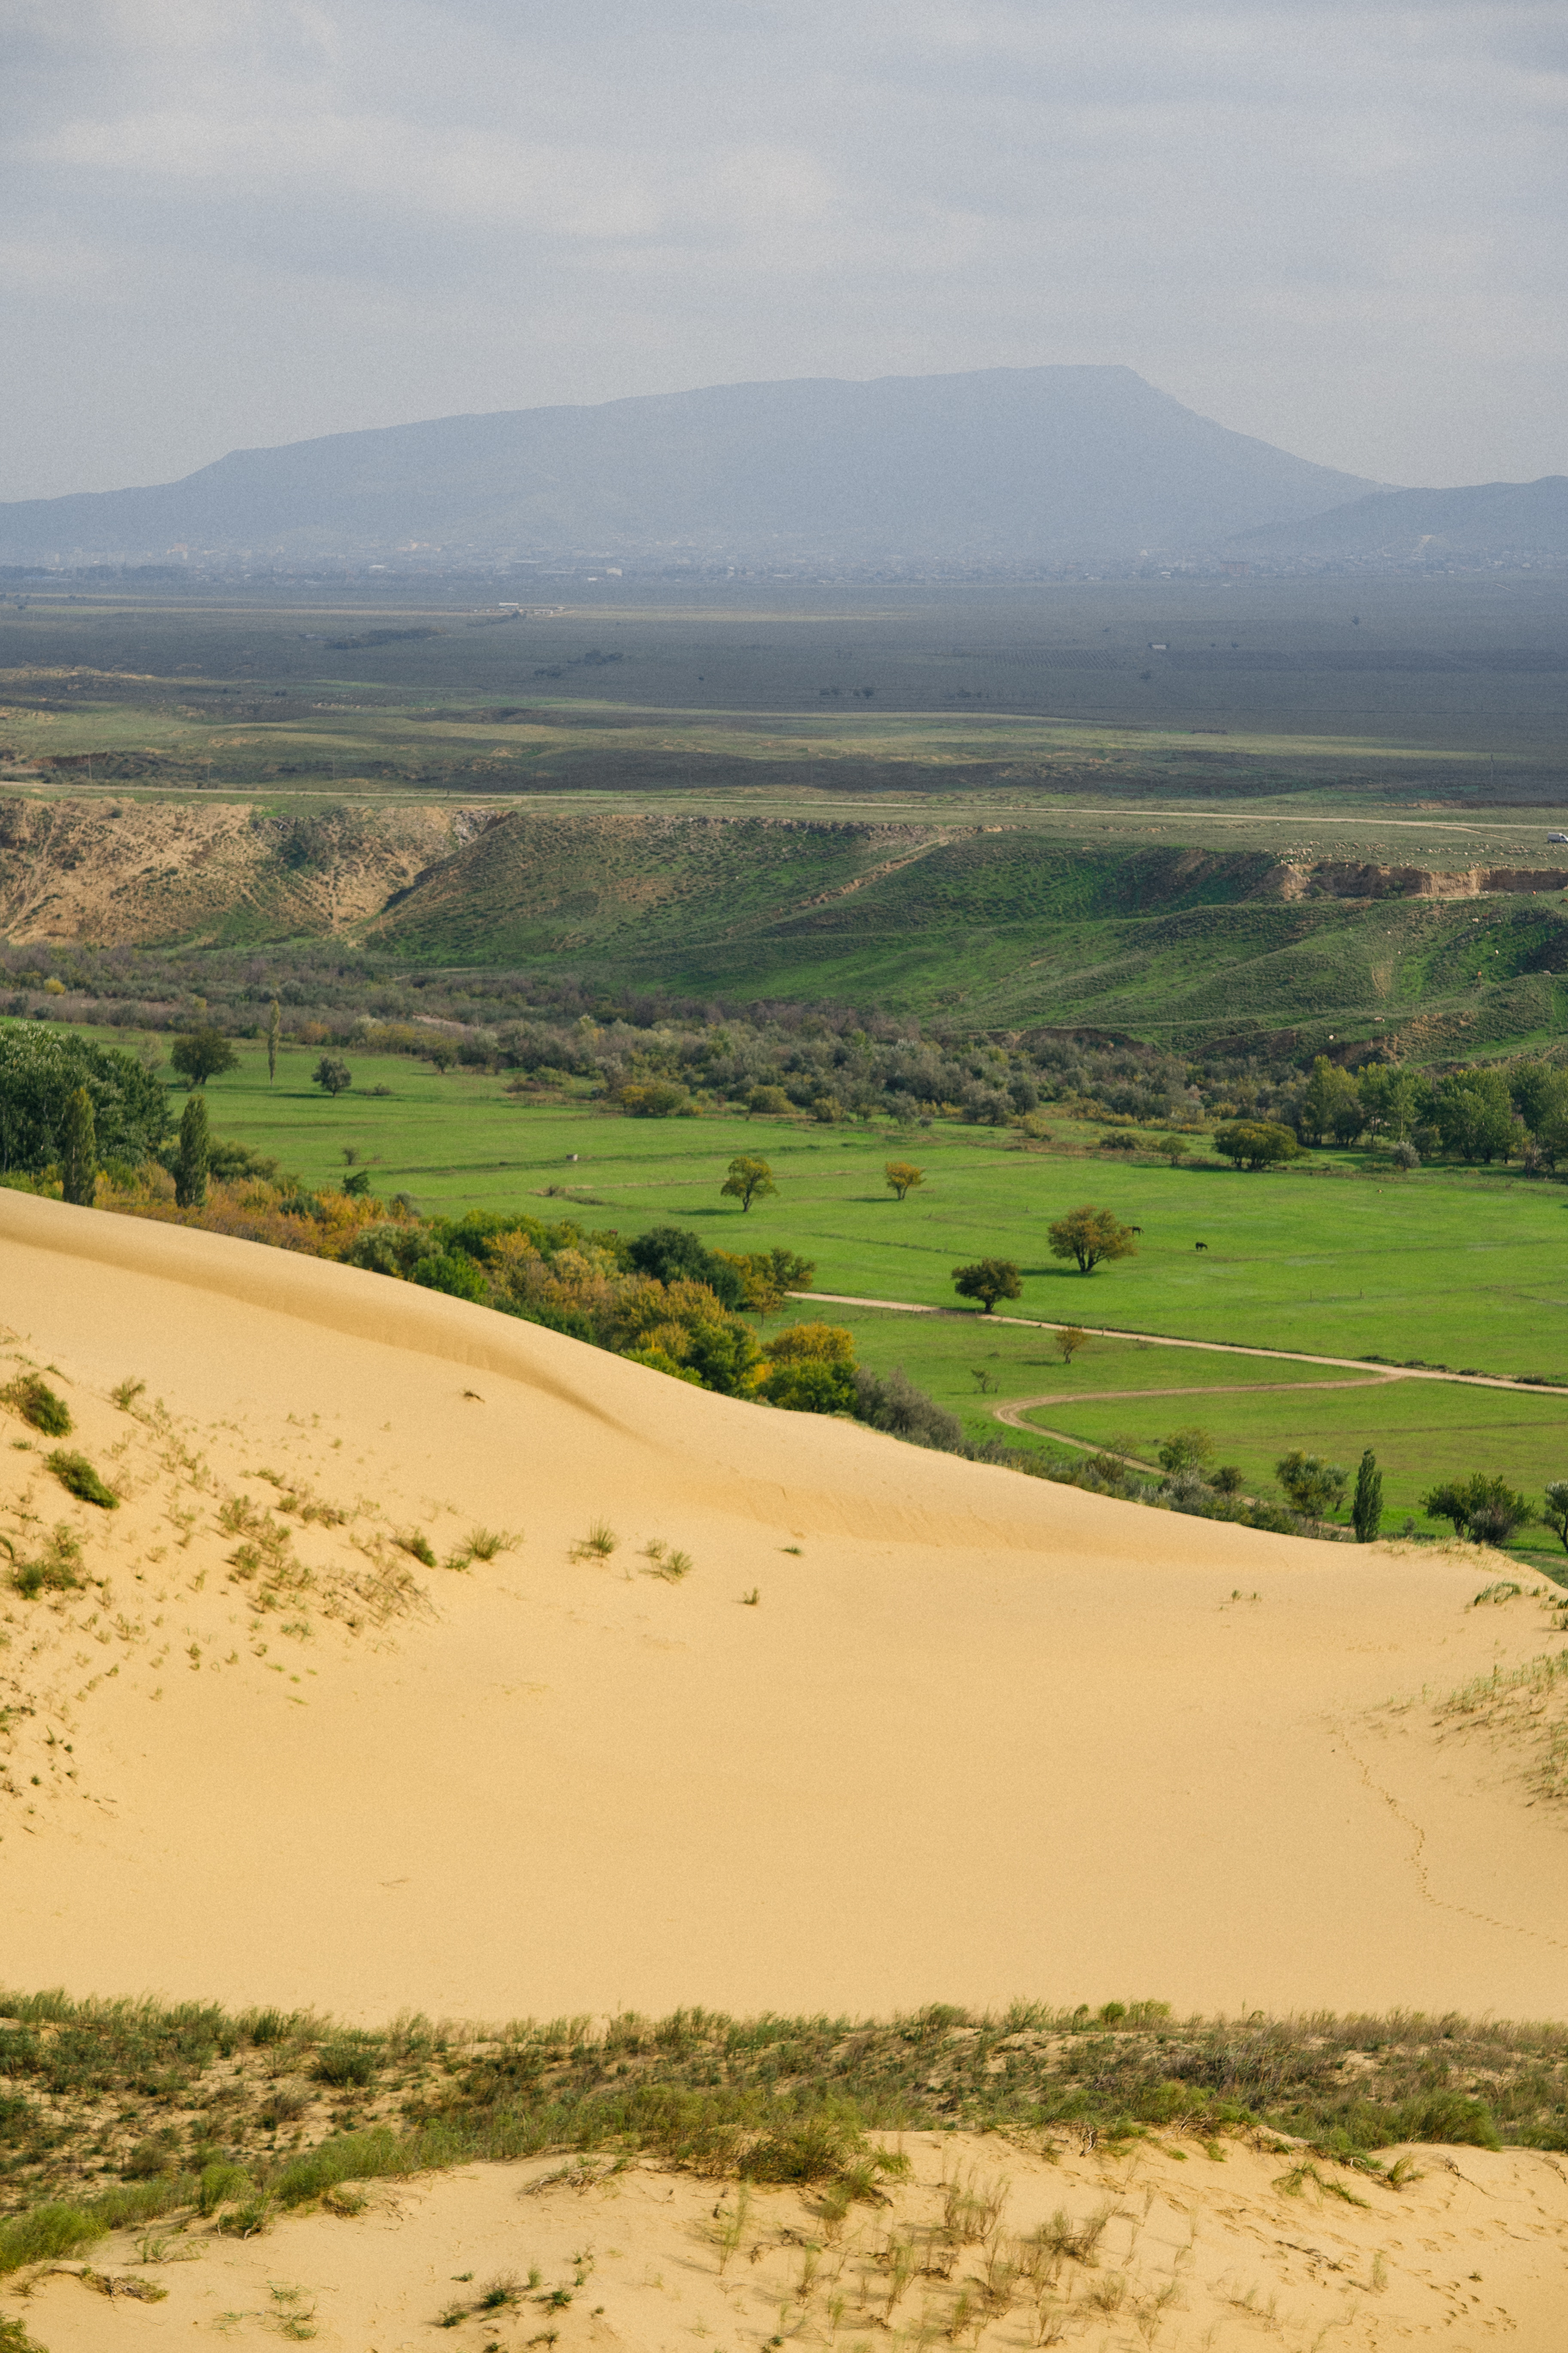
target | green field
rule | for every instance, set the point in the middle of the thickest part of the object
(1455, 1268)
(1458, 1268)
(1254, 1409)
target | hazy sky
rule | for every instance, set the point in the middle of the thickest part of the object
(231, 221)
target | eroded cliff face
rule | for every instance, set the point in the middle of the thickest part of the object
(1349, 878)
(126, 874)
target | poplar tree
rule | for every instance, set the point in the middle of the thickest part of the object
(78, 1158)
(195, 1153)
(274, 1029)
(1366, 1506)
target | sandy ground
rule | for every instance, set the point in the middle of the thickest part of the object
(1198, 2254)
(976, 1737)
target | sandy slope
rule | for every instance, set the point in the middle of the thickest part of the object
(1194, 2253)
(978, 1738)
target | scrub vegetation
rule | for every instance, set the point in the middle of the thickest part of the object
(120, 2114)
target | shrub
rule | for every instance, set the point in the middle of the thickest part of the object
(675, 1254)
(1185, 1449)
(901, 1176)
(1488, 1510)
(77, 1477)
(809, 1384)
(335, 1078)
(1257, 1143)
(345, 2063)
(47, 2234)
(652, 1098)
(58, 1568)
(1316, 1488)
(894, 1404)
(30, 1396)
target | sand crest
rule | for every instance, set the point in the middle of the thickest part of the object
(977, 1736)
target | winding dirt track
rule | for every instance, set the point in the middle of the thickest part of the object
(1220, 1347)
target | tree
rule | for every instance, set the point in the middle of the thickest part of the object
(274, 1031)
(988, 1279)
(42, 1064)
(1486, 1510)
(901, 1176)
(1171, 1147)
(1257, 1143)
(1366, 1505)
(1329, 1098)
(772, 1101)
(1555, 1515)
(749, 1180)
(1472, 1111)
(1316, 1488)
(78, 1156)
(1089, 1235)
(334, 1076)
(1070, 1338)
(1388, 1099)
(203, 1054)
(191, 1159)
(1541, 1095)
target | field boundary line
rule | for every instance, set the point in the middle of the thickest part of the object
(1221, 1348)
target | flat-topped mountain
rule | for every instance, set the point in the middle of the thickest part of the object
(999, 465)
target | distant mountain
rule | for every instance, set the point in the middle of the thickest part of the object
(1501, 520)
(1008, 463)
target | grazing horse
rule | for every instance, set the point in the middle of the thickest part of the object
(1199, 1245)
(1134, 1230)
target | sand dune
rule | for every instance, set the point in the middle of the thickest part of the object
(1190, 2251)
(976, 1737)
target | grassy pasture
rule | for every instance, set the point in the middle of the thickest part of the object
(1458, 1268)
(1254, 1409)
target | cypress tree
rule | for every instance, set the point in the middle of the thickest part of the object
(78, 1159)
(273, 1028)
(1366, 1510)
(191, 1160)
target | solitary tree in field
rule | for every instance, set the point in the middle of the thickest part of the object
(1366, 1504)
(1070, 1338)
(331, 1075)
(194, 1154)
(1089, 1235)
(749, 1179)
(902, 1177)
(1171, 1147)
(988, 1279)
(202, 1055)
(274, 1031)
(78, 1158)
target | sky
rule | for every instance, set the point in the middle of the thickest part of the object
(230, 223)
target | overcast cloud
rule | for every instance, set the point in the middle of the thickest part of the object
(233, 222)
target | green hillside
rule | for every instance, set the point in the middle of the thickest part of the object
(1161, 942)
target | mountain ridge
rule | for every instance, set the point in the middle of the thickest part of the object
(995, 464)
